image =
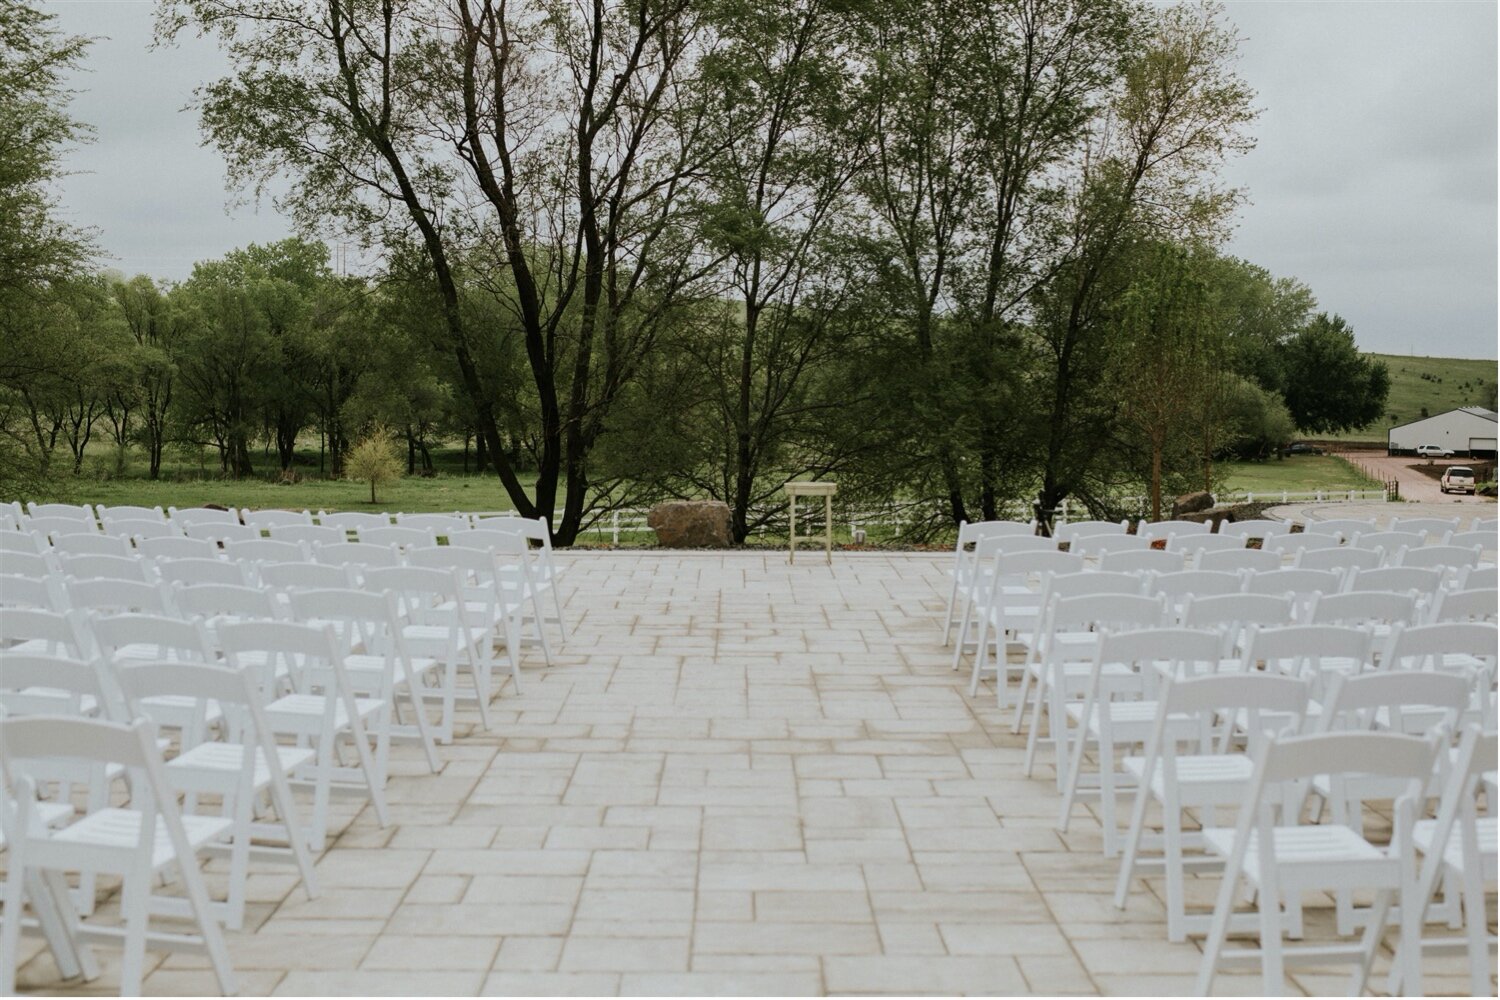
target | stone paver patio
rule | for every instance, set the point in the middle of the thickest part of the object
(739, 777)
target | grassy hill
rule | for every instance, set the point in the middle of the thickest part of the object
(1435, 383)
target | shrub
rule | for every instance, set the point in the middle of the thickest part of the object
(374, 459)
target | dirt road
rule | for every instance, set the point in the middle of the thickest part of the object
(1414, 485)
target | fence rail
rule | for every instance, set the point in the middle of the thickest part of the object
(630, 521)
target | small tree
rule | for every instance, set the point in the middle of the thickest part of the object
(374, 459)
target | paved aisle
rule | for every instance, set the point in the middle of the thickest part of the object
(740, 778)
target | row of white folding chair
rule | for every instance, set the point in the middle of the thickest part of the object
(966, 561)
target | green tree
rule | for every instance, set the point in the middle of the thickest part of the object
(1331, 387)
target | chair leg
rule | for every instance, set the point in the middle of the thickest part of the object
(414, 691)
(1132, 848)
(10, 926)
(562, 623)
(1176, 876)
(134, 896)
(1478, 934)
(1034, 733)
(948, 613)
(1218, 929)
(980, 651)
(1272, 970)
(1026, 668)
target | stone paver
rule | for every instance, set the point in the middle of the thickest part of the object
(737, 777)
(1383, 513)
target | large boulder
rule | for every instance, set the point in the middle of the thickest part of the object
(691, 524)
(1192, 503)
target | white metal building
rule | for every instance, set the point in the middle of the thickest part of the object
(1468, 430)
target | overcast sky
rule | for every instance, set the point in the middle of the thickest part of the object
(1374, 181)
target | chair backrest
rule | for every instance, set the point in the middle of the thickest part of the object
(425, 595)
(1397, 578)
(1299, 542)
(272, 518)
(177, 548)
(1487, 541)
(305, 574)
(366, 621)
(1390, 541)
(1236, 559)
(70, 511)
(1015, 566)
(34, 684)
(1441, 557)
(352, 520)
(129, 512)
(968, 533)
(1363, 607)
(202, 515)
(1142, 561)
(51, 633)
(1308, 650)
(1300, 583)
(1256, 528)
(1437, 527)
(1398, 700)
(1390, 755)
(1345, 528)
(215, 531)
(357, 554)
(1098, 582)
(222, 600)
(1166, 529)
(1442, 646)
(142, 529)
(1478, 577)
(196, 571)
(992, 545)
(1073, 530)
(1195, 583)
(208, 687)
(470, 561)
(1204, 543)
(1464, 606)
(31, 591)
(45, 526)
(91, 544)
(266, 550)
(440, 524)
(22, 543)
(1237, 609)
(105, 567)
(1098, 545)
(117, 596)
(1184, 652)
(1456, 823)
(397, 536)
(1116, 612)
(140, 637)
(309, 534)
(1344, 557)
(309, 655)
(33, 564)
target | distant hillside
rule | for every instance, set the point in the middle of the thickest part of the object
(1435, 383)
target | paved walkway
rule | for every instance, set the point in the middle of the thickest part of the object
(740, 778)
(1467, 512)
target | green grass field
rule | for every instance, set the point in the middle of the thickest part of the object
(1439, 384)
(1298, 474)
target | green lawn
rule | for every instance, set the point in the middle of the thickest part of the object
(1300, 473)
(1439, 384)
(412, 494)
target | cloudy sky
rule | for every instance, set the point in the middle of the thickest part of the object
(1374, 180)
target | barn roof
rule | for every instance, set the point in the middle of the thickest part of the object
(1473, 411)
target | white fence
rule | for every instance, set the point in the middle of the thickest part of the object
(630, 521)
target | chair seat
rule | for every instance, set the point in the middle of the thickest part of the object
(1453, 852)
(297, 711)
(51, 814)
(440, 633)
(1206, 779)
(120, 829)
(1329, 856)
(179, 710)
(1125, 717)
(218, 759)
(39, 700)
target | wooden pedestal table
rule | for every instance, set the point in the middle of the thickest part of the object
(824, 490)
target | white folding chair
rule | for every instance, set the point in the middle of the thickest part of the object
(20, 543)
(1097, 546)
(1459, 851)
(220, 603)
(393, 536)
(106, 568)
(1194, 545)
(1479, 577)
(1234, 614)
(191, 572)
(1345, 528)
(1232, 560)
(118, 596)
(1157, 561)
(1434, 527)
(50, 633)
(142, 529)
(1376, 611)
(360, 555)
(1315, 653)
(41, 592)
(1391, 542)
(274, 518)
(1397, 579)
(1280, 857)
(309, 534)
(1118, 711)
(69, 511)
(513, 576)
(971, 568)
(320, 710)
(91, 544)
(1440, 557)
(202, 515)
(176, 547)
(215, 531)
(139, 844)
(444, 525)
(1152, 530)
(1181, 586)
(307, 575)
(353, 520)
(1344, 557)
(1012, 604)
(1486, 541)
(44, 526)
(1205, 772)
(453, 624)
(1295, 544)
(1450, 646)
(1302, 585)
(548, 573)
(239, 769)
(377, 660)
